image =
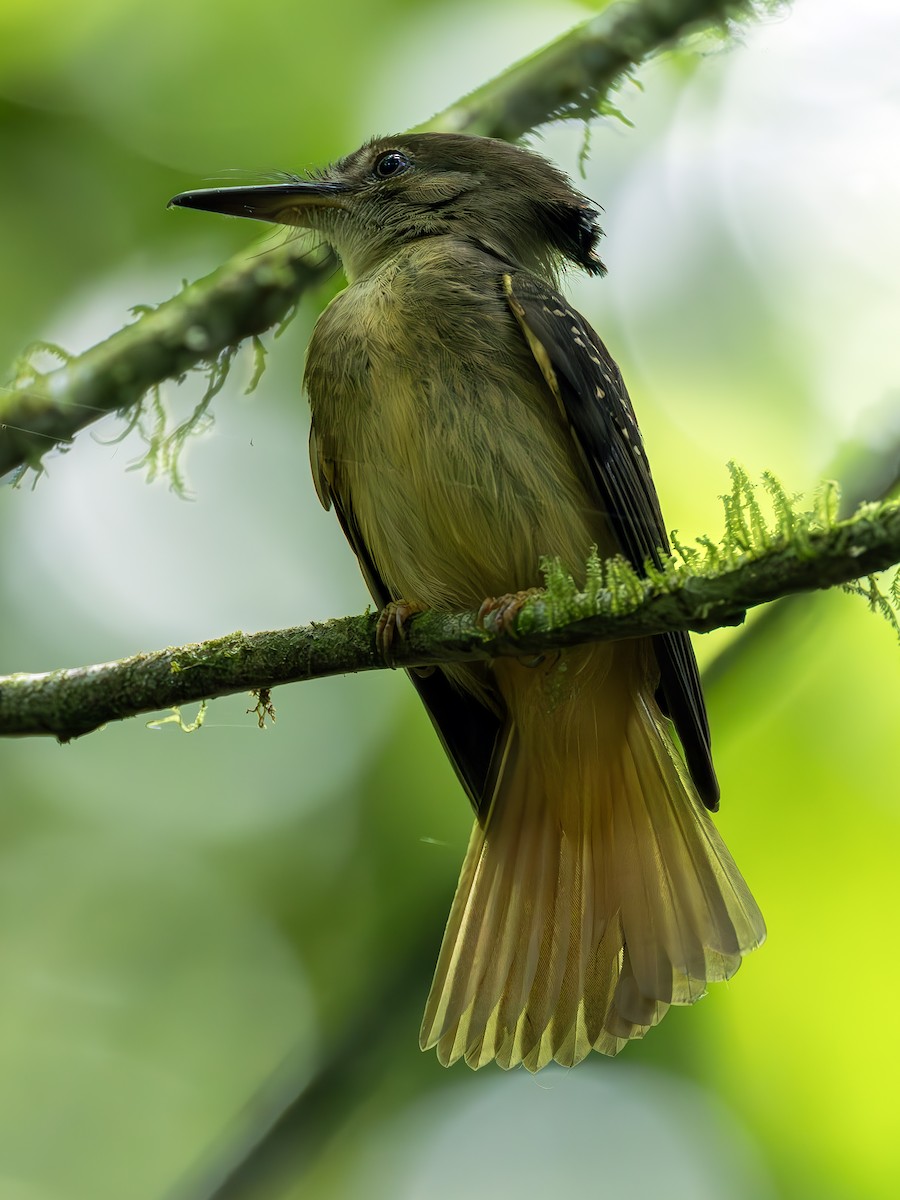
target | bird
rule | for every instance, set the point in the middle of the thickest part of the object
(466, 423)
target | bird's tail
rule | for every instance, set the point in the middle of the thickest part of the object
(597, 893)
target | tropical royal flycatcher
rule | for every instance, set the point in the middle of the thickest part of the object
(466, 422)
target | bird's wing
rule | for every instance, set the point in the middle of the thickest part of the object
(590, 392)
(473, 735)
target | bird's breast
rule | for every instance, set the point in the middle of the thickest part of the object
(440, 436)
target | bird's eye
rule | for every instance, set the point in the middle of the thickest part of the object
(391, 163)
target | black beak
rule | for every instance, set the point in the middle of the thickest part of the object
(278, 202)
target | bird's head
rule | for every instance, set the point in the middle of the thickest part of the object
(396, 190)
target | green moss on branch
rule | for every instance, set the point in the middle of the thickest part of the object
(615, 603)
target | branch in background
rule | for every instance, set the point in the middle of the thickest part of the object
(293, 1115)
(712, 587)
(573, 76)
(248, 295)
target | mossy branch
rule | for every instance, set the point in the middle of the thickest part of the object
(242, 299)
(573, 76)
(759, 559)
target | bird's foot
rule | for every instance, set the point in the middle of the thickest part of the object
(392, 623)
(503, 610)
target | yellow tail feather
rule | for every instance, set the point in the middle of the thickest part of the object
(597, 893)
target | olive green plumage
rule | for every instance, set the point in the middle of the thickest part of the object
(467, 422)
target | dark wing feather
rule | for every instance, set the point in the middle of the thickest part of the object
(471, 734)
(594, 401)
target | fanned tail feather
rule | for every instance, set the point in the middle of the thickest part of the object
(597, 894)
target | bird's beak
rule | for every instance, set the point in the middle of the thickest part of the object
(282, 203)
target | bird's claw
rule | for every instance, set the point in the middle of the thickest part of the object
(392, 623)
(503, 610)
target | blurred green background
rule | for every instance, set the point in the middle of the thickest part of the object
(194, 927)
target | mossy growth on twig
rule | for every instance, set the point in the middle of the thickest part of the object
(758, 520)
